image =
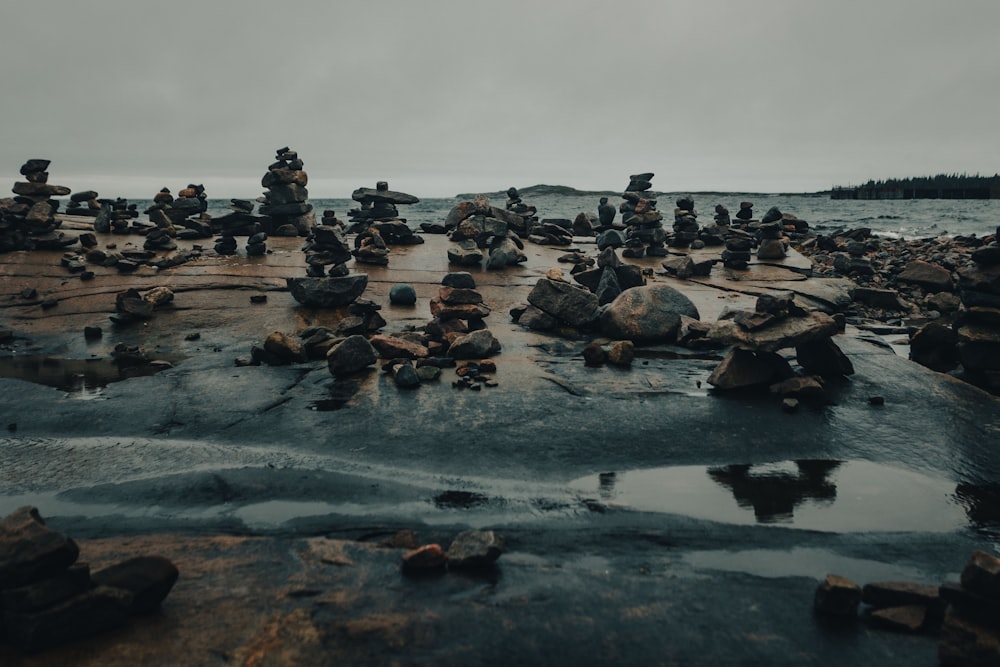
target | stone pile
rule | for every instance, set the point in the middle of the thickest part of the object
(525, 212)
(479, 230)
(776, 323)
(965, 614)
(48, 598)
(977, 326)
(685, 223)
(370, 247)
(644, 223)
(286, 200)
(27, 220)
(378, 213)
(772, 244)
(240, 222)
(77, 201)
(745, 214)
(610, 277)
(334, 287)
(184, 216)
(134, 306)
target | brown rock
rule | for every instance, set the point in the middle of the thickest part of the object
(147, 579)
(621, 353)
(837, 596)
(931, 277)
(911, 618)
(982, 575)
(426, 558)
(30, 551)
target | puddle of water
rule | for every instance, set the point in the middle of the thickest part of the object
(833, 496)
(79, 378)
(800, 562)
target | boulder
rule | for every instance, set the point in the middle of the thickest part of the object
(475, 345)
(327, 292)
(823, 357)
(351, 355)
(474, 549)
(147, 579)
(931, 277)
(647, 314)
(745, 368)
(572, 305)
(780, 334)
(837, 596)
(30, 551)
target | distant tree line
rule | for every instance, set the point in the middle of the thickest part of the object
(942, 186)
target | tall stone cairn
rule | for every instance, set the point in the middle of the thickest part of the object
(286, 199)
(978, 326)
(378, 214)
(27, 220)
(643, 222)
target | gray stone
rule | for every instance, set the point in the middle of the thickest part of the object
(351, 355)
(402, 294)
(474, 549)
(327, 292)
(147, 579)
(570, 304)
(475, 345)
(651, 313)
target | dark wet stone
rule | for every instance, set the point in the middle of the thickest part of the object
(49, 591)
(621, 353)
(475, 345)
(910, 618)
(351, 355)
(837, 596)
(30, 551)
(823, 357)
(95, 611)
(406, 376)
(329, 292)
(429, 557)
(745, 368)
(982, 575)
(594, 354)
(147, 579)
(570, 304)
(929, 276)
(403, 294)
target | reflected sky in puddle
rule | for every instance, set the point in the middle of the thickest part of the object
(833, 496)
(81, 379)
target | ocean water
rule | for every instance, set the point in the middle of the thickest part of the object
(910, 218)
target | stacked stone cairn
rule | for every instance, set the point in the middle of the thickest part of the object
(327, 246)
(77, 201)
(645, 233)
(286, 200)
(772, 244)
(686, 226)
(776, 323)
(48, 598)
(964, 614)
(745, 214)
(185, 216)
(479, 230)
(116, 217)
(27, 220)
(378, 214)
(526, 212)
(977, 327)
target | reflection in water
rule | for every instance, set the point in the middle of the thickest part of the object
(835, 496)
(775, 493)
(341, 392)
(981, 503)
(80, 378)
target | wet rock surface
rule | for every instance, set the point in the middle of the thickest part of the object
(274, 486)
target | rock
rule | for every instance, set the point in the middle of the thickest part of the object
(901, 593)
(30, 551)
(823, 357)
(427, 558)
(744, 368)
(465, 253)
(98, 610)
(967, 642)
(621, 353)
(406, 376)
(651, 313)
(392, 347)
(608, 288)
(402, 294)
(681, 266)
(837, 596)
(788, 332)
(929, 276)
(572, 305)
(474, 549)
(476, 345)
(284, 347)
(594, 354)
(351, 355)
(880, 298)
(459, 279)
(147, 579)
(44, 593)
(327, 292)
(935, 345)
(803, 387)
(911, 618)
(982, 575)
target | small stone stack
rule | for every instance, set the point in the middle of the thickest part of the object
(185, 216)
(77, 201)
(685, 223)
(737, 252)
(643, 221)
(286, 199)
(370, 247)
(770, 236)
(479, 230)
(115, 217)
(326, 246)
(978, 324)
(48, 598)
(525, 212)
(378, 212)
(458, 327)
(241, 222)
(745, 214)
(28, 219)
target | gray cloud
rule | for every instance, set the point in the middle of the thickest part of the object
(446, 96)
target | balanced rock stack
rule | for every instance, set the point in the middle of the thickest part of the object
(685, 223)
(187, 211)
(77, 201)
(738, 251)
(240, 222)
(28, 220)
(286, 199)
(756, 336)
(770, 236)
(115, 217)
(479, 230)
(643, 221)
(327, 246)
(378, 212)
(458, 327)
(526, 213)
(978, 325)
(48, 598)
(745, 213)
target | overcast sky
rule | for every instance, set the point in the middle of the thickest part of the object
(446, 96)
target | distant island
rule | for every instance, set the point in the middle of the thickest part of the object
(542, 190)
(942, 186)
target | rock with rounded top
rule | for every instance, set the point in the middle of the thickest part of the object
(402, 294)
(837, 596)
(351, 355)
(475, 549)
(327, 292)
(924, 274)
(568, 303)
(646, 314)
(475, 345)
(287, 349)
